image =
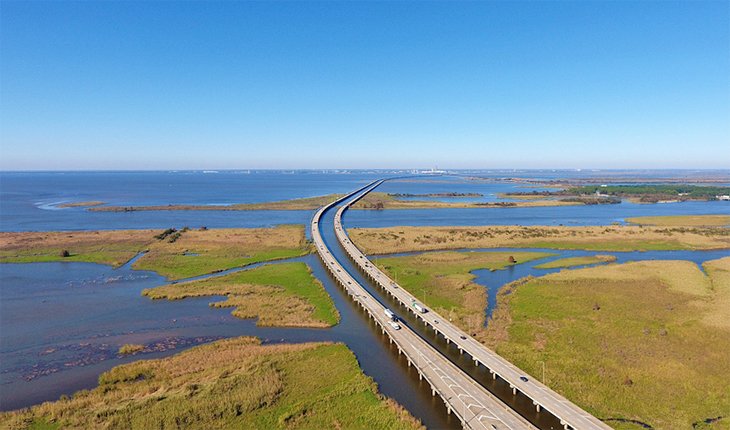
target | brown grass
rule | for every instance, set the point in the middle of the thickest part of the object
(609, 238)
(683, 220)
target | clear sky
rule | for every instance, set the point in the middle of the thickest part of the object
(201, 85)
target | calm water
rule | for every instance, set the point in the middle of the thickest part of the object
(28, 201)
(62, 323)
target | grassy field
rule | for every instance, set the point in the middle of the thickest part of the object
(178, 254)
(233, 383)
(683, 220)
(577, 261)
(608, 238)
(443, 282)
(106, 247)
(198, 252)
(374, 200)
(646, 341)
(284, 294)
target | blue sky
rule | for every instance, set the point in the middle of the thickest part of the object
(124, 85)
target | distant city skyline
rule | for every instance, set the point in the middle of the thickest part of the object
(310, 85)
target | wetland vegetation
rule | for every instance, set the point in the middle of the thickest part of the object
(389, 240)
(644, 341)
(130, 348)
(443, 281)
(644, 193)
(683, 220)
(113, 247)
(373, 200)
(640, 342)
(577, 261)
(173, 253)
(232, 383)
(81, 204)
(198, 252)
(283, 295)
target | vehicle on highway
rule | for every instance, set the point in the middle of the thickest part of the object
(394, 324)
(420, 308)
(390, 315)
(523, 378)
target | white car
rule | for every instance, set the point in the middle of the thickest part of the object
(394, 324)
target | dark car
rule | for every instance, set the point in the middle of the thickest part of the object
(523, 378)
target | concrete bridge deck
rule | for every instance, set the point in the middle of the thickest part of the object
(569, 414)
(475, 406)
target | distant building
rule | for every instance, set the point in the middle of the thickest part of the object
(725, 198)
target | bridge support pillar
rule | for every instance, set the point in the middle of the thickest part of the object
(514, 391)
(537, 407)
(433, 392)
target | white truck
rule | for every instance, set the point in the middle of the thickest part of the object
(420, 308)
(391, 316)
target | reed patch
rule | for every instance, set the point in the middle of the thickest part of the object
(232, 383)
(283, 295)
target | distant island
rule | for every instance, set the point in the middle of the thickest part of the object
(397, 195)
(638, 193)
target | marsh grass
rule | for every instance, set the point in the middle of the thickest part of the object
(114, 247)
(81, 204)
(233, 383)
(373, 200)
(577, 261)
(443, 281)
(605, 238)
(654, 350)
(285, 294)
(221, 249)
(683, 220)
(169, 251)
(130, 348)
